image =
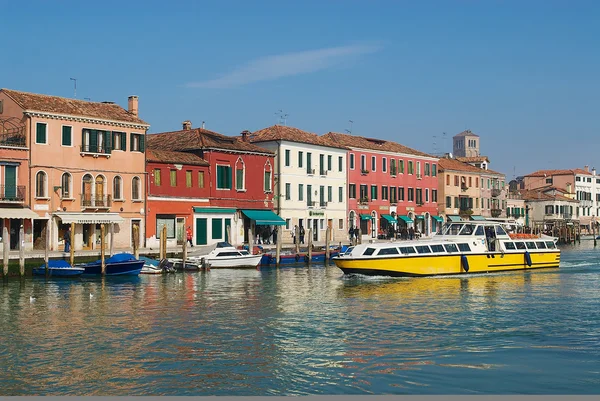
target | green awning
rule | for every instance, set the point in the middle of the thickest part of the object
(264, 217)
(454, 217)
(478, 218)
(366, 217)
(438, 219)
(389, 218)
(213, 210)
(419, 217)
(406, 219)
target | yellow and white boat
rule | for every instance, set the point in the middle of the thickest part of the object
(460, 247)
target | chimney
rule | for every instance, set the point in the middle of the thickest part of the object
(132, 105)
(586, 168)
(593, 170)
(245, 135)
(187, 125)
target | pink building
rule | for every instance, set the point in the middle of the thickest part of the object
(86, 166)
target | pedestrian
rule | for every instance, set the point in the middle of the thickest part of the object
(302, 234)
(67, 238)
(188, 233)
(411, 233)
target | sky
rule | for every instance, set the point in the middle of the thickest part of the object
(523, 75)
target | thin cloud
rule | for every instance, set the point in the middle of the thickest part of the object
(288, 64)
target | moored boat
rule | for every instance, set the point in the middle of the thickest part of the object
(121, 264)
(58, 268)
(288, 257)
(461, 247)
(226, 255)
(153, 266)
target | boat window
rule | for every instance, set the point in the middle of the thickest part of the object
(509, 245)
(520, 245)
(531, 245)
(225, 254)
(244, 252)
(369, 251)
(407, 250)
(423, 249)
(479, 231)
(464, 247)
(453, 229)
(451, 248)
(500, 231)
(467, 229)
(541, 245)
(550, 244)
(437, 248)
(349, 251)
(388, 251)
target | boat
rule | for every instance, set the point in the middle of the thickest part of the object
(153, 266)
(58, 268)
(460, 248)
(226, 255)
(290, 257)
(121, 264)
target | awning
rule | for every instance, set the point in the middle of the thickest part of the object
(453, 217)
(406, 219)
(420, 217)
(90, 218)
(438, 219)
(17, 213)
(213, 210)
(264, 217)
(478, 218)
(366, 217)
(389, 218)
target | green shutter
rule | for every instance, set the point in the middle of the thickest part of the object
(217, 228)
(142, 142)
(66, 136)
(131, 142)
(229, 177)
(93, 141)
(123, 141)
(40, 133)
(108, 142)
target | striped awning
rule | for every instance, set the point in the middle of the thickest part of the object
(90, 218)
(17, 213)
(406, 219)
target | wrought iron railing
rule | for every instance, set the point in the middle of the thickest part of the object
(12, 193)
(101, 149)
(13, 139)
(496, 192)
(89, 201)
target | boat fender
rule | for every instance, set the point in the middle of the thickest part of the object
(528, 258)
(464, 262)
(297, 257)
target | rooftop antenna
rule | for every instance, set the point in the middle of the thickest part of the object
(435, 150)
(75, 81)
(350, 130)
(444, 141)
(281, 117)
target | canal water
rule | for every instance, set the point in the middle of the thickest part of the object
(305, 331)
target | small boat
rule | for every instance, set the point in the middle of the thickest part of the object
(121, 264)
(191, 264)
(288, 257)
(226, 255)
(461, 247)
(153, 266)
(58, 268)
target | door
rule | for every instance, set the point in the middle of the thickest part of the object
(87, 190)
(201, 231)
(99, 191)
(180, 230)
(135, 223)
(87, 236)
(10, 182)
(15, 226)
(227, 224)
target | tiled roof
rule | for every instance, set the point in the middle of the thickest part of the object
(550, 173)
(168, 156)
(455, 165)
(492, 172)
(198, 138)
(291, 134)
(473, 159)
(533, 195)
(466, 133)
(73, 107)
(354, 141)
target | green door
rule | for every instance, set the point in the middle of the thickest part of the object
(201, 234)
(10, 182)
(227, 224)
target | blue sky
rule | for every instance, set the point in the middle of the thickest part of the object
(521, 74)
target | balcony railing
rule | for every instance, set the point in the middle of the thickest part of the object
(496, 192)
(13, 139)
(96, 202)
(323, 204)
(496, 212)
(364, 172)
(323, 172)
(12, 193)
(566, 216)
(98, 149)
(310, 171)
(363, 200)
(311, 204)
(464, 187)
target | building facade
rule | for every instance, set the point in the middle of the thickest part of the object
(460, 190)
(465, 144)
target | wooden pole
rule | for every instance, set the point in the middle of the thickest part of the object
(327, 240)
(359, 238)
(594, 232)
(46, 245)
(102, 250)
(297, 239)
(72, 248)
(22, 251)
(310, 243)
(228, 230)
(112, 239)
(135, 242)
(251, 238)
(277, 246)
(184, 252)
(5, 249)
(163, 237)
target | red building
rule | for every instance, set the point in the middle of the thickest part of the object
(390, 186)
(235, 189)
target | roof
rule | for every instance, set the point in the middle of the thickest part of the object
(285, 133)
(473, 159)
(466, 133)
(169, 156)
(456, 165)
(354, 141)
(533, 195)
(200, 139)
(550, 173)
(73, 107)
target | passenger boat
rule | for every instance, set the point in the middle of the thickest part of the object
(58, 268)
(121, 264)
(460, 247)
(226, 255)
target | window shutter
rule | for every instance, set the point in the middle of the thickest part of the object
(131, 142)
(40, 133)
(109, 141)
(142, 144)
(93, 140)
(123, 141)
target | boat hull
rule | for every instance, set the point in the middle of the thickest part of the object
(126, 268)
(251, 261)
(428, 265)
(317, 257)
(59, 271)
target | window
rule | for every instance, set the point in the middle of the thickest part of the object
(388, 251)
(40, 185)
(434, 170)
(456, 202)
(322, 164)
(341, 194)
(351, 161)
(300, 192)
(352, 191)
(329, 194)
(288, 191)
(41, 133)
(287, 157)
(173, 177)
(400, 194)
(369, 251)
(407, 250)
(67, 135)
(393, 197)
(384, 164)
(300, 159)
(363, 193)
(509, 245)
(410, 167)
(267, 183)
(373, 163)
(363, 162)
(157, 180)
(223, 177)
(419, 198)
(119, 141)
(340, 164)
(117, 188)
(549, 209)
(450, 248)
(418, 169)
(309, 168)
(427, 169)
(240, 174)
(165, 221)
(423, 249)
(470, 181)
(401, 166)
(437, 248)
(456, 180)
(434, 195)
(200, 179)
(373, 192)
(393, 171)
(137, 143)
(188, 178)
(136, 189)
(426, 195)
(341, 224)
(411, 194)
(476, 182)
(288, 222)
(384, 193)
(65, 183)
(329, 162)
(447, 179)
(448, 202)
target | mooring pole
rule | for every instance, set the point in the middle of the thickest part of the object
(5, 249)
(72, 248)
(310, 245)
(327, 239)
(46, 245)
(22, 251)
(277, 246)
(102, 251)
(136, 237)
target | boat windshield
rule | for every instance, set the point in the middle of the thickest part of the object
(451, 229)
(468, 229)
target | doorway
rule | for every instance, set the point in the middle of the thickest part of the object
(180, 230)
(88, 239)
(134, 240)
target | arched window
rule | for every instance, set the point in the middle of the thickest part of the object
(136, 189)
(40, 185)
(65, 183)
(240, 174)
(118, 188)
(86, 190)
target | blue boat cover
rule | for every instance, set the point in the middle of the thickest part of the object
(58, 263)
(121, 257)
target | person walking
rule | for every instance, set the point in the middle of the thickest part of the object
(67, 238)
(302, 234)
(189, 235)
(411, 233)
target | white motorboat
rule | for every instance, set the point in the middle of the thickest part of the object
(226, 255)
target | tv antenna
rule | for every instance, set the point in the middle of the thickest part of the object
(281, 117)
(350, 130)
(75, 81)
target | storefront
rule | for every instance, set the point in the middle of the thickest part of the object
(88, 229)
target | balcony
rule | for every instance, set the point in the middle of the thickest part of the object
(12, 193)
(364, 172)
(496, 192)
(96, 202)
(310, 171)
(323, 204)
(496, 212)
(311, 204)
(464, 187)
(12, 140)
(95, 150)
(419, 176)
(363, 200)
(323, 172)
(12, 133)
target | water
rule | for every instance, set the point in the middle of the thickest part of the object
(305, 331)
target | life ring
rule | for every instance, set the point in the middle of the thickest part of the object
(528, 258)
(297, 257)
(464, 262)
